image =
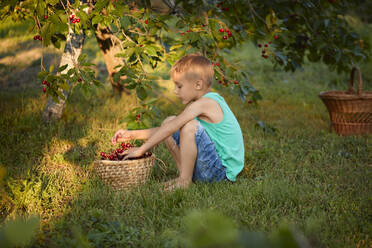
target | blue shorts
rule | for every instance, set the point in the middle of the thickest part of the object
(208, 166)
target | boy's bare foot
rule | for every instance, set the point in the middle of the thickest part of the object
(176, 183)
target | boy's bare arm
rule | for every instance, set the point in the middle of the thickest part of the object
(123, 135)
(144, 134)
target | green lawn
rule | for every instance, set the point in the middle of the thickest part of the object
(302, 176)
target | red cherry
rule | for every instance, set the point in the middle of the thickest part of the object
(236, 82)
(218, 64)
(35, 37)
(40, 38)
(77, 20)
(73, 21)
(229, 34)
(221, 30)
(103, 154)
(212, 64)
(250, 101)
(269, 42)
(259, 45)
(146, 21)
(225, 9)
(266, 45)
(45, 82)
(182, 33)
(219, 81)
(45, 17)
(44, 89)
(72, 17)
(224, 37)
(128, 145)
(276, 37)
(79, 80)
(203, 25)
(188, 31)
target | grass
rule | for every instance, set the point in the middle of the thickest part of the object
(302, 175)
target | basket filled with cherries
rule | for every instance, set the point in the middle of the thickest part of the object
(122, 173)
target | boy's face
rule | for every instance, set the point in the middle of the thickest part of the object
(185, 87)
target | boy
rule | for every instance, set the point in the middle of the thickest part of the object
(205, 140)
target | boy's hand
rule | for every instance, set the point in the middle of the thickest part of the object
(133, 152)
(121, 136)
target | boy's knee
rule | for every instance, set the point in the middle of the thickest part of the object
(190, 127)
(168, 119)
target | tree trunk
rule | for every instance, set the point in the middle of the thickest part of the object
(110, 46)
(74, 44)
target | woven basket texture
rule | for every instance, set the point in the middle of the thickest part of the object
(350, 112)
(124, 174)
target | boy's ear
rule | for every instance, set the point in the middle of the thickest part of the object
(199, 84)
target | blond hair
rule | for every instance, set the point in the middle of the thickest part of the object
(195, 66)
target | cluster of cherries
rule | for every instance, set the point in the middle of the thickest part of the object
(73, 19)
(229, 34)
(38, 37)
(46, 83)
(117, 154)
(264, 54)
(220, 6)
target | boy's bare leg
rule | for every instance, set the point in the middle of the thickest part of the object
(175, 152)
(171, 144)
(188, 153)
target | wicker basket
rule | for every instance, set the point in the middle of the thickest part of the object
(124, 174)
(350, 112)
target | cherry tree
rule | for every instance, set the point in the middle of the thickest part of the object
(133, 35)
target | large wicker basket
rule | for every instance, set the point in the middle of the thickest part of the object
(124, 174)
(350, 112)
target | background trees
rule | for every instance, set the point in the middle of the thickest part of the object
(137, 35)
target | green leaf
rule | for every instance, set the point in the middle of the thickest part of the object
(97, 19)
(151, 50)
(268, 21)
(282, 57)
(60, 95)
(87, 64)
(129, 52)
(64, 85)
(62, 68)
(52, 2)
(125, 22)
(76, 4)
(97, 83)
(42, 74)
(141, 93)
(100, 5)
(82, 57)
(131, 86)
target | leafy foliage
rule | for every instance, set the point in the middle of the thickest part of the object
(291, 31)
